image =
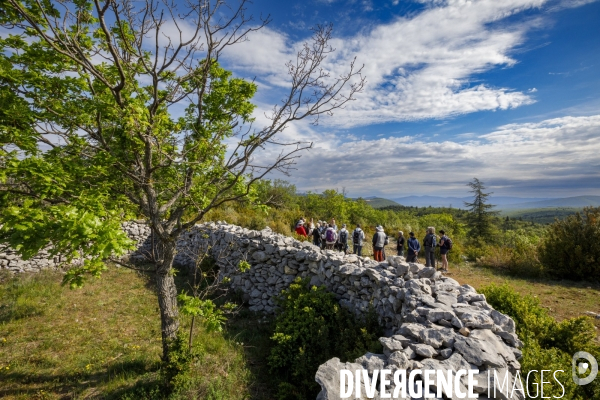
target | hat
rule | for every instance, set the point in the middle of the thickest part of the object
(379, 228)
(400, 232)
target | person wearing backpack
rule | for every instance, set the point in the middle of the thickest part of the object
(379, 239)
(430, 243)
(343, 239)
(316, 234)
(330, 237)
(413, 248)
(445, 247)
(358, 237)
(400, 243)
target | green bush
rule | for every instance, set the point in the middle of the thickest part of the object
(310, 329)
(548, 344)
(571, 247)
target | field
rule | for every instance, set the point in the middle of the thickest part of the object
(103, 341)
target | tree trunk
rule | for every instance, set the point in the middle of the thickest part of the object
(167, 297)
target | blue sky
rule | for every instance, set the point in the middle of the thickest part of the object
(507, 91)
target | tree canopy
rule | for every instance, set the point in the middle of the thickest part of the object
(92, 132)
(480, 211)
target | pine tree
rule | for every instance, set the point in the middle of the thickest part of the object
(480, 212)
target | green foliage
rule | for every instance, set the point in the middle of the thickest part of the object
(571, 247)
(208, 312)
(175, 371)
(480, 217)
(516, 252)
(548, 344)
(312, 327)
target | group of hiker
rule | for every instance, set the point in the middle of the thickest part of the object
(327, 236)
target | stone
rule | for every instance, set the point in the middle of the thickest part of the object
(424, 350)
(503, 321)
(479, 352)
(398, 360)
(432, 337)
(412, 330)
(510, 338)
(390, 345)
(328, 377)
(464, 331)
(445, 353)
(477, 319)
(404, 340)
(371, 361)
(437, 313)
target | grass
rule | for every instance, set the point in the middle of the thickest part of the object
(103, 342)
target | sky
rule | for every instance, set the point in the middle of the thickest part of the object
(506, 91)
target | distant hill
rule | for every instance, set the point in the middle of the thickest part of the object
(502, 202)
(380, 202)
(545, 215)
(568, 202)
(458, 202)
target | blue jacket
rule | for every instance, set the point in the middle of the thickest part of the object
(413, 244)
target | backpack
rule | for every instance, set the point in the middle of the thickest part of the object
(343, 237)
(330, 235)
(428, 240)
(448, 243)
(356, 236)
(386, 241)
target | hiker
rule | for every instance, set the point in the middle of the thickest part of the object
(413, 248)
(322, 231)
(445, 246)
(400, 243)
(333, 225)
(316, 234)
(343, 239)
(330, 237)
(300, 229)
(379, 239)
(430, 242)
(358, 237)
(310, 228)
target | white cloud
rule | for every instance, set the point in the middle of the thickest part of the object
(553, 157)
(418, 67)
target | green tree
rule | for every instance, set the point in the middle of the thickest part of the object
(480, 212)
(92, 132)
(571, 247)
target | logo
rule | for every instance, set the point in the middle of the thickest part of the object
(582, 363)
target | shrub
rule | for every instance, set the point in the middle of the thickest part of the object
(311, 328)
(571, 247)
(548, 344)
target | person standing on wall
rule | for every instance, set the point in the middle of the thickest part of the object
(358, 237)
(378, 242)
(430, 242)
(400, 243)
(413, 248)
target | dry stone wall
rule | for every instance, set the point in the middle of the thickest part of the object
(432, 322)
